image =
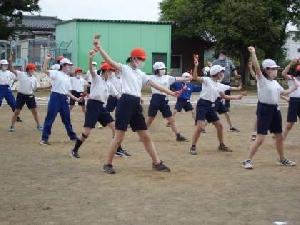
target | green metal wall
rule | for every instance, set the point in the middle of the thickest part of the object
(117, 38)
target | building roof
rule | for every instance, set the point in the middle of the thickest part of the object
(38, 22)
(117, 21)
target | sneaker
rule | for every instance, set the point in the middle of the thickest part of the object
(233, 129)
(100, 126)
(39, 128)
(286, 162)
(168, 124)
(193, 151)
(119, 153)
(161, 167)
(224, 148)
(253, 136)
(247, 164)
(11, 129)
(74, 154)
(181, 138)
(19, 119)
(108, 168)
(124, 152)
(44, 142)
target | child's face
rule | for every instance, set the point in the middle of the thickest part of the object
(272, 73)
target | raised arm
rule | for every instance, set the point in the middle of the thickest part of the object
(45, 65)
(290, 90)
(195, 72)
(287, 69)
(11, 67)
(105, 56)
(250, 66)
(255, 62)
(91, 56)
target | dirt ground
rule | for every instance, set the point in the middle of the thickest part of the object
(43, 185)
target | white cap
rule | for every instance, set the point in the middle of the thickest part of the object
(159, 66)
(94, 63)
(65, 61)
(3, 62)
(186, 75)
(269, 63)
(214, 70)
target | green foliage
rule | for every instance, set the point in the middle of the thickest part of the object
(235, 24)
(11, 11)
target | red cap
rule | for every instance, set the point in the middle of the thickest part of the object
(106, 66)
(138, 53)
(31, 66)
(298, 68)
(77, 69)
(59, 58)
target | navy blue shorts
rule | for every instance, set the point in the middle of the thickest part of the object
(220, 106)
(159, 102)
(22, 99)
(206, 110)
(111, 103)
(77, 95)
(130, 112)
(96, 112)
(268, 119)
(183, 104)
(293, 110)
(88, 88)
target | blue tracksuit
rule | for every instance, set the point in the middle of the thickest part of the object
(186, 94)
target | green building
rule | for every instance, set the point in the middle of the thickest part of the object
(118, 38)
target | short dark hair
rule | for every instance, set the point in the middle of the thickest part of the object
(222, 51)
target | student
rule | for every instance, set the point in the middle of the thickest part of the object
(59, 102)
(184, 99)
(205, 110)
(159, 100)
(88, 76)
(206, 69)
(27, 85)
(77, 88)
(6, 79)
(294, 100)
(112, 101)
(129, 110)
(96, 111)
(268, 113)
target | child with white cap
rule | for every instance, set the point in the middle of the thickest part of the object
(294, 100)
(129, 110)
(6, 79)
(206, 105)
(268, 112)
(59, 102)
(159, 100)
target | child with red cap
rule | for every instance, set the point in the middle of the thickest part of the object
(129, 110)
(27, 85)
(77, 88)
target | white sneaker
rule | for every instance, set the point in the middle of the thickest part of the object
(11, 129)
(247, 164)
(286, 162)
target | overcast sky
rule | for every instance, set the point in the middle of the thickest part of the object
(102, 9)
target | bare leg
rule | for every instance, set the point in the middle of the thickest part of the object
(197, 132)
(83, 109)
(149, 121)
(279, 145)
(255, 145)
(35, 116)
(227, 116)
(219, 128)
(14, 116)
(288, 128)
(173, 124)
(149, 146)
(114, 144)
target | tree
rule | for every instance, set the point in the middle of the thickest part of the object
(11, 13)
(234, 24)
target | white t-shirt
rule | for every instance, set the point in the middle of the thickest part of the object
(269, 90)
(117, 82)
(77, 84)
(222, 88)
(55, 67)
(27, 84)
(210, 89)
(6, 77)
(164, 80)
(294, 94)
(132, 80)
(100, 89)
(88, 77)
(61, 82)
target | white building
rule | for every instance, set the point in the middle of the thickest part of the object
(292, 47)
